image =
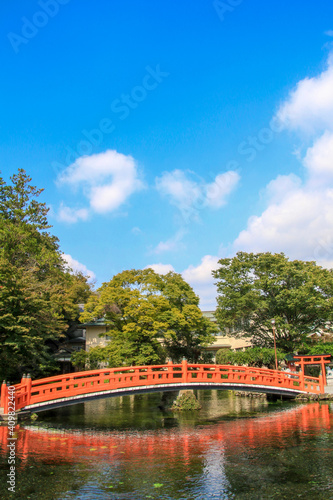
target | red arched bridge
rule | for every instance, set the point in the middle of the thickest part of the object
(73, 388)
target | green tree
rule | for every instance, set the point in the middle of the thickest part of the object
(149, 317)
(320, 348)
(256, 357)
(38, 293)
(253, 289)
(227, 357)
(91, 360)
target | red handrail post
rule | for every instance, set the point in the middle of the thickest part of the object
(28, 383)
(301, 379)
(24, 388)
(184, 369)
(3, 394)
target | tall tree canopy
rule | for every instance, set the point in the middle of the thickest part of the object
(253, 289)
(38, 293)
(149, 317)
(255, 356)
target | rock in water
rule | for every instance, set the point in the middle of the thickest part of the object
(186, 401)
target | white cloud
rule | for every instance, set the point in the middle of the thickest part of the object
(181, 191)
(223, 185)
(76, 266)
(298, 219)
(319, 158)
(172, 244)
(106, 179)
(161, 268)
(293, 225)
(71, 215)
(309, 107)
(190, 195)
(201, 279)
(166, 246)
(282, 186)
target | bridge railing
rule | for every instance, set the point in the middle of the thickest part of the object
(30, 392)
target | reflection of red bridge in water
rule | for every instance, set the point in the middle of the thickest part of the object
(72, 388)
(249, 433)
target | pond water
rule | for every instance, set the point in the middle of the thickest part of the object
(134, 448)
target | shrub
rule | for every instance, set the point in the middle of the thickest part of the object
(256, 357)
(186, 401)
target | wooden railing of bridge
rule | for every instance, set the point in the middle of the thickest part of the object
(31, 392)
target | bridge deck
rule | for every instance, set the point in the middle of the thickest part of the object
(76, 387)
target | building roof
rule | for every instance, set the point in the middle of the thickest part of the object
(97, 322)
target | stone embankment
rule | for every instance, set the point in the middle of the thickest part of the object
(246, 394)
(300, 397)
(314, 397)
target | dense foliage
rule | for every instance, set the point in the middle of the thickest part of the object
(253, 289)
(38, 294)
(320, 348)
(186, 401)
(150, 317)
(258, 357)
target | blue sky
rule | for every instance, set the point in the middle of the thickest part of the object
(171, 134)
